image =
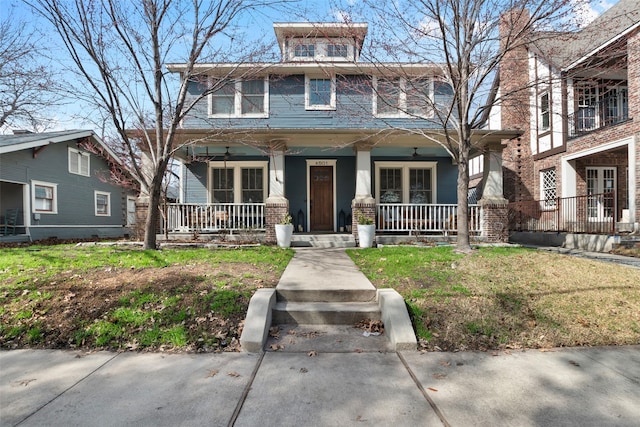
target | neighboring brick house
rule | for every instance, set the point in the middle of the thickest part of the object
(322, 135)
(576, 96)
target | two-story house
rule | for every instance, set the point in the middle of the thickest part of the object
(576, 169)
(323, 136)
(57, 185)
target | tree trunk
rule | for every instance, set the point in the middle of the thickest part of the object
(463, 244)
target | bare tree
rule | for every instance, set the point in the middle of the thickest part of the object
(465, 40)
(26, 82)
(119, 49)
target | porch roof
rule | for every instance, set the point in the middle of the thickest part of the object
(482, 139)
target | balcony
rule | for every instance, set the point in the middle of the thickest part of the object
(608, 112)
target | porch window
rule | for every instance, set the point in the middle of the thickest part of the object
(238, 182)
(78, 162)
(240, 98)
(45, 197)
(616, 104)
(102, 203)
(320, 93)
(548, 188)
(587, 99)
(406, 182)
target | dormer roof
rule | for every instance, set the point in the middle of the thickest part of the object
(354, 32)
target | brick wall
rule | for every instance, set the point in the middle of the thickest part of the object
(274, 212)
(633, 75)
(495, 222)
(366, 209)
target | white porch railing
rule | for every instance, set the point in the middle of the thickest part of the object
(431, 218)
(196, 217)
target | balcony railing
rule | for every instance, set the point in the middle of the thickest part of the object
(594, 214)
(596, 116)
(424, 218)
(212, 217)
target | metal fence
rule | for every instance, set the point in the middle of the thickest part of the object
(595, 214)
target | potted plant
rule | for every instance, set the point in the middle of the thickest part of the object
(284, 230)
(366, 231)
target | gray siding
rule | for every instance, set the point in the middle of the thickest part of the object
(75, 193)
(354, 108)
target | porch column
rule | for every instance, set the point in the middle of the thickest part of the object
(495, 210)
(276, 205)
(143, 200)
(363, 203)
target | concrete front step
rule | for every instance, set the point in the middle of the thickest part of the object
(324, 313)
(345, 294)
(315, 339)
(323, 241)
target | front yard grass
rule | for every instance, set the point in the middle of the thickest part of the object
(503, 298)
(97, 297)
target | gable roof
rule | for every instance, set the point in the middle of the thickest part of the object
(566, 50)
(24, 141)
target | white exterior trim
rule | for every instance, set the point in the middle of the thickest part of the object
(237, 177)
(321, 162)
(405, 166)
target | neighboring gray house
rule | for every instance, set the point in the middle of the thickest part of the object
(55, 185)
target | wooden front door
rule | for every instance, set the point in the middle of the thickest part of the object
(321, 198)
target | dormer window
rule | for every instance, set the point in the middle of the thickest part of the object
(337, 50)
(304, 51)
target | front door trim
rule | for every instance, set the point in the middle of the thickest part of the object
(321, 162)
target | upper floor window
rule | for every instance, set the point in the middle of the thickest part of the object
(545, 112)
(240, 98)
(337, 50)
(401, 97)
(320, 93)
(304, 50)
(78, 162)
(102, 203)
(44, 197)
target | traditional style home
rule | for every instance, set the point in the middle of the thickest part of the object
(325, 137)
(575, 172)
(56, 185)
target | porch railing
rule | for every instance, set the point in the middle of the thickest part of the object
(596, 116)
(595, 214)
(210, 217)
(425, 218)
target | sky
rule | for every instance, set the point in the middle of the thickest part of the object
(258, 27)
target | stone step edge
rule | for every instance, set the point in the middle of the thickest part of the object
(393, 311)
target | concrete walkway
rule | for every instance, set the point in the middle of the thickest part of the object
(569, 387)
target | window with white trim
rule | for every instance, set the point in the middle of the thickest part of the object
(238, 182)
(402, 97)
(337, 50)
(304, 50)
(240, 98)
(406, 182)
(548, 188)
(545, 112)
(78, 162)
(320, 93)
(102, 201)
(44, 197)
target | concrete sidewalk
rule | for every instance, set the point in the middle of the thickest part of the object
(569, 387)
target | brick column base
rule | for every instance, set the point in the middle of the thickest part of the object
(142, 210)
(274, 212)
(495, 220)
(361, 208)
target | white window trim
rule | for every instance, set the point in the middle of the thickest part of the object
(402, 103)
(547, 205)
(54, 203)
(237, 167)
(237, 101)
(541, 128)
(82, 155)
(97, 193)
(406, 166)
(307, 92)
